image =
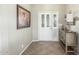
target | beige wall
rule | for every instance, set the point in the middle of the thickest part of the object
(41, 8)
(13, 41)
(17, 38)
(73, 7)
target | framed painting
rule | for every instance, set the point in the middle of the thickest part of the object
(23, 17)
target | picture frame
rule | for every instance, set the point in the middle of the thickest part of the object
(23, 17)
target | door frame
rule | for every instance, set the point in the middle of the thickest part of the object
(53, 12)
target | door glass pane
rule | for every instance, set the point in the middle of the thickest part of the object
(55, 24)
(42, 20)
(47, 19)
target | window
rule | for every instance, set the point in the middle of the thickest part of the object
(55, 24)
(47, 19)
(42, 20)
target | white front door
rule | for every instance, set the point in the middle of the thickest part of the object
(48, 26)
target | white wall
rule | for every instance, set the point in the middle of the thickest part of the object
(3, 30)
(75, 9)
(13, 41)
(41, 8)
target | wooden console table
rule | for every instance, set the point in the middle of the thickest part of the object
(68, 41)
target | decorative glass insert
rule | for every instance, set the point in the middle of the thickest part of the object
(55, 24)
(47, 19)
(42, 20)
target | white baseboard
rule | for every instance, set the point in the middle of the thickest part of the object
(48, 40)
(44, 40)
(35, 40)
(25, 48)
